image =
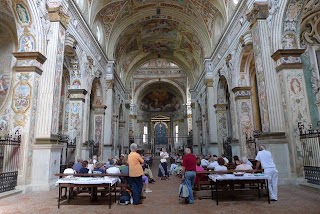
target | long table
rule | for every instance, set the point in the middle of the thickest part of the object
(231, 179)
(93, 182)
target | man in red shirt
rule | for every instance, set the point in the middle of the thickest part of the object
(189, 172)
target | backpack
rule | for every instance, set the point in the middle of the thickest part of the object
(124, 198)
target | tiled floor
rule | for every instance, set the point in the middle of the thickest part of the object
(164, 200)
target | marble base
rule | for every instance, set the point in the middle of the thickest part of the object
(45, 163)
(213, 149)
(85, 154)
(106, 153)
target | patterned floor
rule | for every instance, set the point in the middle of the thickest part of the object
(164, 200)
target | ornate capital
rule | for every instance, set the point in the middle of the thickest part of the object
(220, 108)
(243, 92)
(260, 11)
(309, 29)
(29, 62)
(246, 40)
(77, 94)
(99, 109)
(208, 79)
(288, 58)
(56, 14)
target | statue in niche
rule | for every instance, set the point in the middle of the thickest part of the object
(22, 13)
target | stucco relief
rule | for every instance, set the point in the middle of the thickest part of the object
(261, 80)
(57, 81)
(222, 126)
(98, 130)
(27, 43)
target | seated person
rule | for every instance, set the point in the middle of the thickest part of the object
(84, 168)
(145, 180)
(213, 163)
(77, 166)
(226, 160)
(244, 165)
(69, 169)
(204, 162)
(236, 160)
(147, 171)
(221, 166)
(178, 170)
(172, 166)
(199, 169)
(98, 168)
(112, 168)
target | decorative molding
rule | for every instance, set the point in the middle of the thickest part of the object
(57, 14)
(243, 92)
(260, 11)
(77, 94)
(220, 107)
(288, 58)
(39, 57)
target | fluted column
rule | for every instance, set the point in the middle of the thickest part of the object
(245, 118)
(294, 102)
(51, 80)
(268, 83)
(195, 130)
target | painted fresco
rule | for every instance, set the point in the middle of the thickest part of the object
(6, 47)
(22, 14)
(160, 28)
(160, 101)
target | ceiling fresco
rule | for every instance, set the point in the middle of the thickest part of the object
(138, 30)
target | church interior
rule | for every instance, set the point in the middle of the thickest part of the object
(84, 78)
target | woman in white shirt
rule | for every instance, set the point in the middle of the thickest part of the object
(69, 169)
(163, 166)
(221, 166)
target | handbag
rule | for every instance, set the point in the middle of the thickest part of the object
(183, 190)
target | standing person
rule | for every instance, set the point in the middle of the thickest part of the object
(135, 173)
(189, 163)
(163, 166)
(265, 158)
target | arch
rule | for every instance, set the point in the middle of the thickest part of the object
(147, 83)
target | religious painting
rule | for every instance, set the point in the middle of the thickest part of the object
(22, 14)
(21, 97)
(295, 86)
(160, 28)
(160, 101)
(27, 43)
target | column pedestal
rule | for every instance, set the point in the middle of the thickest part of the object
(46, 163)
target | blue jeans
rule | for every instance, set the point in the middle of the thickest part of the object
(189, 178)
(136, 188)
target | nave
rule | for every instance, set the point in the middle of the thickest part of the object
(164, 199)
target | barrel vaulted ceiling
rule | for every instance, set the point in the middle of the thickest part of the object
(182, 31)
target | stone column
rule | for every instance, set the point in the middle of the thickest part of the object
(76, 118)
(295, 107)
(212, 123)
(46, 151)
(221, 114)
(195, 130)
(108, 121)
(98, 118)
(51, 80)
(268, 84)
(245, 127)
(28, 70)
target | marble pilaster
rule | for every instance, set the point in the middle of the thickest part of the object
(211, 112)
(98, 118)
(108, 121)
(244, 109)
(268, 84)
(221, 115)
(294, 102)
(51, 80)
(76, 118)
(195, 130)
(28, 70)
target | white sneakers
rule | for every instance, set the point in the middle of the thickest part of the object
(148, 190)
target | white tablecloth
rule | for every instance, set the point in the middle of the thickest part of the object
(88, 180)
(246, 176)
